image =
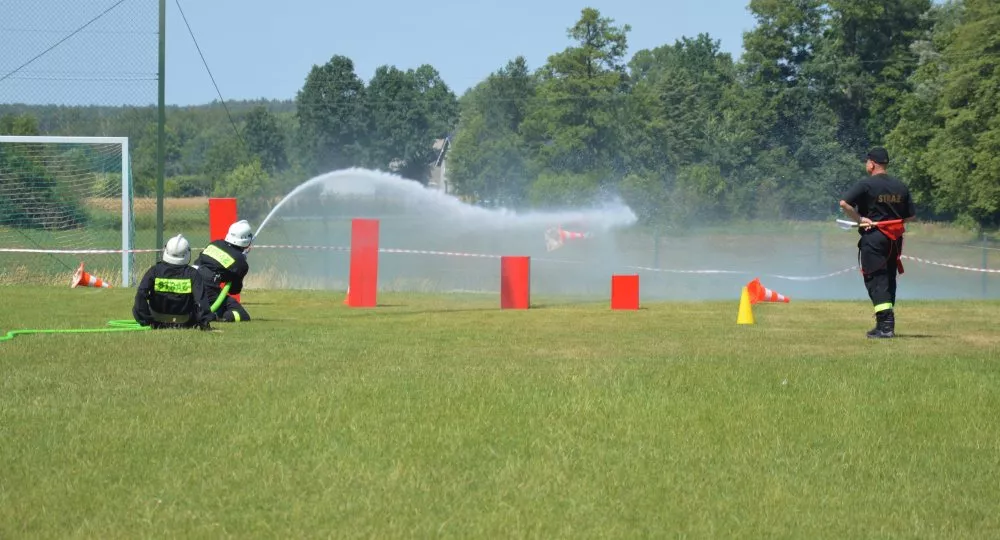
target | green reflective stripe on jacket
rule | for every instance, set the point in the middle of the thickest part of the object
(167, 285)
(214, 252)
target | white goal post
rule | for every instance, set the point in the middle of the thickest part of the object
(126, 185)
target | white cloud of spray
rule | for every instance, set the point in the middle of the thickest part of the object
(415, 218)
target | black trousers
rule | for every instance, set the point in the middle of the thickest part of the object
(161, 326)
(878, 256)
(230, 310)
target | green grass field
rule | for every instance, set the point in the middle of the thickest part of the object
(443, 416)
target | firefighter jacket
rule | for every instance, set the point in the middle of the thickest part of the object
(171, 295)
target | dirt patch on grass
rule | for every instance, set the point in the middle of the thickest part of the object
(110, 204)
(982, 340)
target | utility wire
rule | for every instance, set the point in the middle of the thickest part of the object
(60, 42)
(29, 62)
(222, 100)
(210, 76)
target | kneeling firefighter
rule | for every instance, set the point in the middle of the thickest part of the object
(171, 293)
(225, 261)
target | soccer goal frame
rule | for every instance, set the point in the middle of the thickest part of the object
(127, 225)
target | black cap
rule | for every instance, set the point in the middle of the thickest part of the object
(879, 155)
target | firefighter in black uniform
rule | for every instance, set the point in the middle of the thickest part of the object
(171, 293)
(881, 204)
(225, 261)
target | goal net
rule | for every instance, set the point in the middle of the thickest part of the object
(64, 200)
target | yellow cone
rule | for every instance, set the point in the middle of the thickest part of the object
(745, 315)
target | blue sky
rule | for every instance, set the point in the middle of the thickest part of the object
(255, 50)
(264, 49)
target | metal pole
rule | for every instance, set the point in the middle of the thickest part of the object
(656, 247)
(128, 229)
(161, 133)
(328, 262)
(819, 249)
(985, 262)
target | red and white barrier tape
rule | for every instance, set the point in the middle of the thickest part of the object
(76, 251)
(384, 250)
(671, 271)
(314, 248)
(956, 267)
(814, 278)
(489, 256)
(736, 272)
(444, 253)
(320, 248)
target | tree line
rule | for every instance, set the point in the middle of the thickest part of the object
(257, 150)
(684, 132)
(681, 132)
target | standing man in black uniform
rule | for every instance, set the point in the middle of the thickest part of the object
(871, 202)
(172, 294)
(225, 261)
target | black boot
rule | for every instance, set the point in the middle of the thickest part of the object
(885, 325)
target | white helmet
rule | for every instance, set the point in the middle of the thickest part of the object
(177, 250)
(239, 234)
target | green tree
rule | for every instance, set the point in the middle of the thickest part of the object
(964, 152)
(676, 95)
(19, 124)
(40, 201)
(920, 120)
(676, 117)
(864, 62)
(505, 95)
(332, 117)
(488, 160)
(409, 110)
(251, 184)
(395, 119)
(144, 162)
(265, 139)
(781, 44)
(798, 161)
(565, 188)
(438, 103)
(574, 122)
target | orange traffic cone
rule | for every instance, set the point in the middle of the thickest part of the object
(556, 237)
(347, 297)
(566, 235)
(81, 277)
(760, 293)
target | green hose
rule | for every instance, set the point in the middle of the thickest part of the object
(121, 325)
(126, 323)
(113, 326)
(221, 298)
